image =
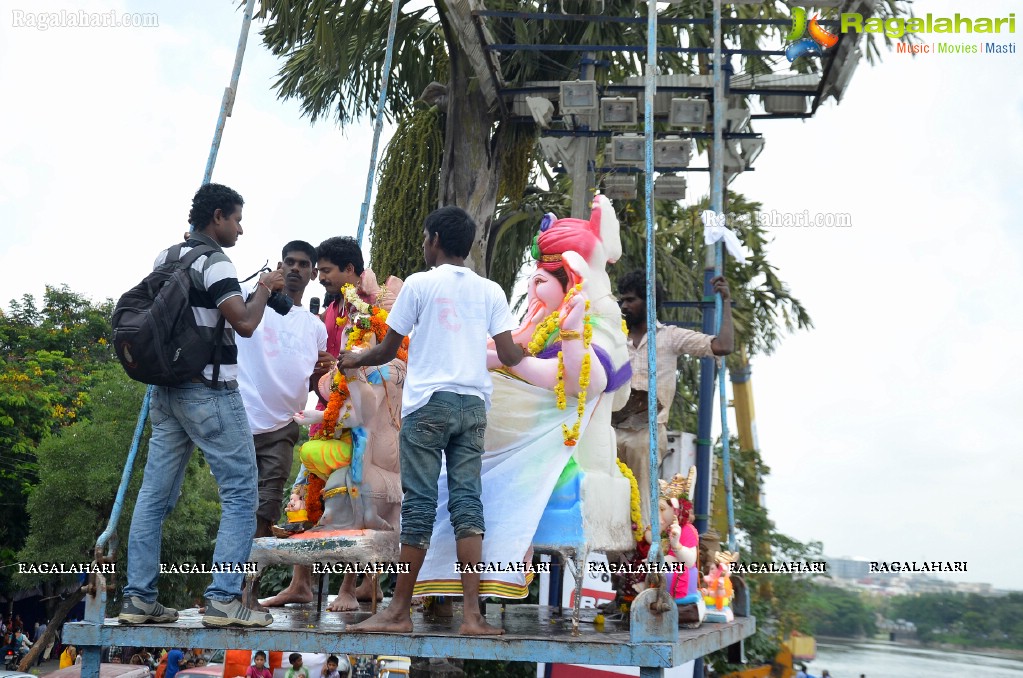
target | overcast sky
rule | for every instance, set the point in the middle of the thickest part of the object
(889, 428)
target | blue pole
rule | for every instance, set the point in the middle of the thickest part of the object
(717, 204)
(129, 464)
(651, 276)
(379, 122)
(227, 105)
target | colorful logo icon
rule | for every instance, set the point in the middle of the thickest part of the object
(819, 40)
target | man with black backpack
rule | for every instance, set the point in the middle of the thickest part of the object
(205, 410)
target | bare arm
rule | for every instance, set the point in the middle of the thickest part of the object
(508, 351)
(723, 343)
(245, 316)
(384, 352)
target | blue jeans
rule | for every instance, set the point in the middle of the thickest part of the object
(452, 425)
(182, 418)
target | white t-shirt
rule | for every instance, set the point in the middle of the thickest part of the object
(452, 311)
(274, 366)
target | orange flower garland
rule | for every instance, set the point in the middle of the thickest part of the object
(366, 319)
(338, 397)
(314, 497)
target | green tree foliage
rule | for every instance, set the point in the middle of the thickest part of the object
(47, 357)
(962, 619)
(836, 612)
(81, 467)
(412, 159)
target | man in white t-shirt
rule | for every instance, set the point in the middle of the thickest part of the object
(274, 366)
(449, 312)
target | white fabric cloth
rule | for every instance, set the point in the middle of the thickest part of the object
(523, 458)
(274, 366)
(448, 313)
(715, 228)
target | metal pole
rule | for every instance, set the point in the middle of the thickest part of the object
(227, 105)
(717, 204)
(379, 121)
(584, 149)
(709, 326)
(651, 275)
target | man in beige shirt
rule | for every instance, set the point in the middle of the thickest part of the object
(631, 422)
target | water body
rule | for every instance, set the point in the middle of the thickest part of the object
(878, 659)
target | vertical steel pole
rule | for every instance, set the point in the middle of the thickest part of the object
(651, 274)
(711, 322)
(583, 152)
(707, 365)
(392, 28)
(717, 204)
(227, 105)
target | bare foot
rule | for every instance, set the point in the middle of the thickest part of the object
(385, 621)
(343, 602)
(364, 591)
(292, 594)
(476, 625)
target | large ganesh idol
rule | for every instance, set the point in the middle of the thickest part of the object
(550, 475)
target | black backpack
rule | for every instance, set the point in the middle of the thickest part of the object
(155, 334)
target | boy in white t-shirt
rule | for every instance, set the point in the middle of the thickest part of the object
(444, 405)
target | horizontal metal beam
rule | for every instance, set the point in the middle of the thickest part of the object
(661, 20)
(628, 48)
(612, 89)
(657, 135)
(534, 635)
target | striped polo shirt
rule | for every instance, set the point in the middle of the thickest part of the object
(214, 279)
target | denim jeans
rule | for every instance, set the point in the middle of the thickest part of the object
(452, 425)
(182, 418)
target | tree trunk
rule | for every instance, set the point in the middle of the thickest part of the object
(51, 629)
(471, 169)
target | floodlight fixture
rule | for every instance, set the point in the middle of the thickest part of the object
(688, 112)
(542, 110)
(672, 151)
(578, 96)
(670, 187)
(618, 111)
(785, 103)
(628, 149)
(621, 187)
(750, 148)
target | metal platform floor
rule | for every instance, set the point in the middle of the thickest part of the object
(534, 633)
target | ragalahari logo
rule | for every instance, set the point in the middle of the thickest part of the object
(819, 40)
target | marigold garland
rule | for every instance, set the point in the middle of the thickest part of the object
(634, 511)
(571, 435)
(314, 497)
(544, 333)
(365, 319)
(339, 394)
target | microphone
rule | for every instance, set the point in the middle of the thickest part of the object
(314, 306)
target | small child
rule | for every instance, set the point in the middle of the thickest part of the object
(296, 670)
(330, 668)
(259, 668)
(444, 405)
